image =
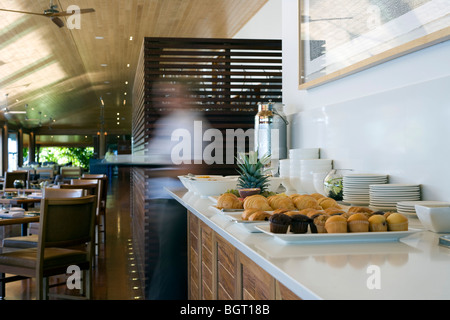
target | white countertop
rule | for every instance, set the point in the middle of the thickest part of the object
(415, 267)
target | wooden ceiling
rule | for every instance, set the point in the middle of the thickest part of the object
(59, 75)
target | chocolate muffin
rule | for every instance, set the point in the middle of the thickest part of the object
(299, 223)
(279, 222)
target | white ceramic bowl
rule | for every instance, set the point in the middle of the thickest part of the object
(186, 181)
(213, 186)
(434, 218)
(274, 183)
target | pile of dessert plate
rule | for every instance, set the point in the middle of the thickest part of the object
(387, 196)
(356, 187)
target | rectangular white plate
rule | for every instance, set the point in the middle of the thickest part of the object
(359, 237)
(226, 211)
(248, 225)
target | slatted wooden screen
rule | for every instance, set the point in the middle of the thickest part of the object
(229, 78)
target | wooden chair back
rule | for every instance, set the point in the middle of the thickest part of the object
(66, 222)
(53, 193)
(11, 176)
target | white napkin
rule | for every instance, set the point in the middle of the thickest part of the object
(13, 213)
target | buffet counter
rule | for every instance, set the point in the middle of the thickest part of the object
(415, 267)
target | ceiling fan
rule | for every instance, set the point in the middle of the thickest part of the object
(52, 13)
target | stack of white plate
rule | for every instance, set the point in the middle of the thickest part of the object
(408, 207)
(304, 153)
(295, 158)
(356, 187)
(310, 166)
(386, 196)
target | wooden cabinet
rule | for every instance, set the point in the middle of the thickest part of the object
(218, 271)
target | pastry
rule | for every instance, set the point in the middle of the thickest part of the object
(318, 223)
(281, 202)
(377, 223)
(347, 214)
(309, 212)
(259, 216)
(229, 201)
(279, 223)
(257, 201)
(336, 224)
(358, 222)
(299, 223)
(306, 201)
(332, 211)
(248, 212)
(397, 222)
(317, 196)
(280, 211)
(326, 203)
(360, 209)
(291, 213)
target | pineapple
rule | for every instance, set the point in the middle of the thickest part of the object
(252, 173)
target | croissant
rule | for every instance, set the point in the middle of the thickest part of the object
(248, 212)
(281, 210)
(309, 212)
(317, 196)
(326, 203)
(259, 216)
(306, 201)
(360, 209)
(229, 201)
(332, 210)
(281, 202)
(257, 201)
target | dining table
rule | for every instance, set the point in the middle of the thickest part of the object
(29, 217)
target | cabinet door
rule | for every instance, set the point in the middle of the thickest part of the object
(193, 257)
(257, 284)
(283, 293)
(207, 262)
(226, 270)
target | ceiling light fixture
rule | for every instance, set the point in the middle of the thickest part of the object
(103, 65)
(99, 38)
(131, 38)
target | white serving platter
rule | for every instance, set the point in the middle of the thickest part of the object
(250, 226)
(226, 211)
(355, 237)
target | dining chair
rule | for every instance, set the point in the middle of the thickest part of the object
(11, 176)
(103, 195)
(70, 172)
(45, 173)
(31, 240)
(66, 237)
(90, 187)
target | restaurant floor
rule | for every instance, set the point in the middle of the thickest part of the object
(115, 276)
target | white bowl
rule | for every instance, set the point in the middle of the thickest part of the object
(318, 178)
(213, 186)
(434, 218)
(186, 180)
(274, 183)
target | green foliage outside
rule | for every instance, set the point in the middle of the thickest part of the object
(61, 155)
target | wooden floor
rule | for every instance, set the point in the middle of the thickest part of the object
(115, 275)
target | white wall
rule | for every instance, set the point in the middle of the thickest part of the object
(393, 118)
